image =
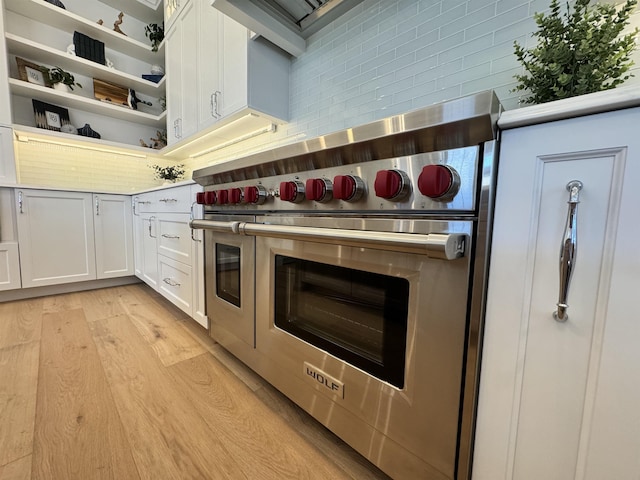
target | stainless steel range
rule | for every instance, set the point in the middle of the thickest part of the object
(350, 271)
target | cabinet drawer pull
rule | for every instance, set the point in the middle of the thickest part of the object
(568, 250)
(168, 200)
(164, 235)
(170, 282)
(20, 201)
(151, 220)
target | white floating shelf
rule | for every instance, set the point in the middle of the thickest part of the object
(62, 19)
(39, 53)
(70, 100)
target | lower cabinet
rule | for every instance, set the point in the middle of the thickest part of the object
(67, 237)
(9, 266)
(559, 399)
(168, 254)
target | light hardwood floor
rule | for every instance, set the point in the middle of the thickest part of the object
(118, 384)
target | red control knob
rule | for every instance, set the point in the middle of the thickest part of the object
(439, 182)
(391, 184)
(235, 195)
(210, 198)
(319, 189)
(200, 198)
(348, 187)
(256, 195)
(222, 197)
(292, 191)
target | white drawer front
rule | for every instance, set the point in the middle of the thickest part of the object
(174, 237)
(175, 283)
(170, 200)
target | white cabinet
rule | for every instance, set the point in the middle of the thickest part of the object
(67, 237)
(182, 71)
(55, 234)
(172, 9)
(212, 61)
(559, 400)
(168, 254)
(9, 266)
(41, 32)
(114, 238)
(7, 159)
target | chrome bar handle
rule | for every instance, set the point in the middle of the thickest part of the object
(20, 201)
(217, 109)
(568, 250)
(97, 206)
(164, 235)
(134, 205)
(150, 220)
(170, 282)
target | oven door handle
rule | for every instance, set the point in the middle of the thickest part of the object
(448, 246)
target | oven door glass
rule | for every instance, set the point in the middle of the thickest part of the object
(357, 316)
(228, 273)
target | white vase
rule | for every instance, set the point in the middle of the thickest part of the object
(62, 87)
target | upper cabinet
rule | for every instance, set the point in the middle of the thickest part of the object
(114, 98)
(219, 73)
(172, 9)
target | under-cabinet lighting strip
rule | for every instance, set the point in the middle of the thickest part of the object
(26, 139)
(270, 128)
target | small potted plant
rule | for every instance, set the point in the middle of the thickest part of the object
(62, 80)
(169, 174)
(155, 33)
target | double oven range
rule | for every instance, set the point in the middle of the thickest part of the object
(350, 271)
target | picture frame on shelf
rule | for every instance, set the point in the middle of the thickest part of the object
(33, 73)
(50, 117)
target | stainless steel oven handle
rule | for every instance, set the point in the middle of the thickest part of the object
(448, 246)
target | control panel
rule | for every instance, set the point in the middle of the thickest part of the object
(430, 181)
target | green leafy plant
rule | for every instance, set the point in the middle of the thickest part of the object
(577, 53)
(172, 173)
(58, 75)
(155, 33)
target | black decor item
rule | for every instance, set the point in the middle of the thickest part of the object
(87, 131)
(89, 48)
(57, 3)
(50, 117)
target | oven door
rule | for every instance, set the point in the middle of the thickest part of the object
(371, 342)
(229, 277)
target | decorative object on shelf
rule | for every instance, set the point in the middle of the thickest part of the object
(100, 22)
(156, 70)
(60, 77)
(33, 73)
(155, 33)
(71, 49)
(87, 131)
(68, 128)
(50, 117)
(117, 23)
(109, 63)
(156, 143)
(163, 102)
(152, 78)
(577, 53)
(170, 174)
(110, 92)
(57, 3)
(133, 100)
(89, 48)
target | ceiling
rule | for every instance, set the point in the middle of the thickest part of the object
(287, 23)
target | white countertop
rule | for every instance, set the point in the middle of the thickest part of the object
(614, 99)
(97, 190)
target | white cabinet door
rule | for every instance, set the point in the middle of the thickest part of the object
(209, 66)
(114, 238)
(559, 400)
(182, 76)
(233, 58)
(7, 160)
(9, 266)
(55, 234)
(172, 9)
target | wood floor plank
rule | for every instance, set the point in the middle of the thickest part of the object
(20, 322)
(169, 440)
(18, 389)
(102, 303)
(17, 470)
(246, 426)
(62, 302)
(78, 432)
(162, 331)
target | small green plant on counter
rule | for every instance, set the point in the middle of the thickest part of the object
(58, 75)
(171, 174)
(155, 33)
(577, 53)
